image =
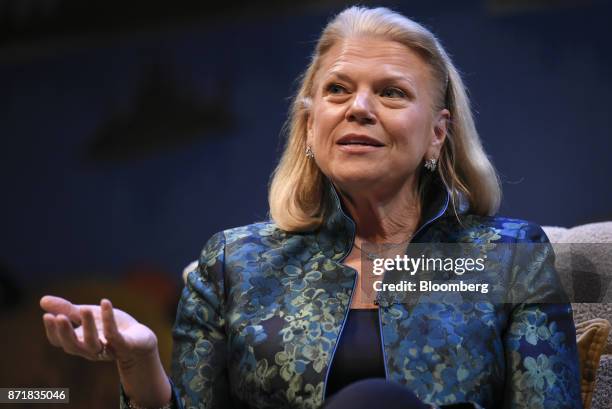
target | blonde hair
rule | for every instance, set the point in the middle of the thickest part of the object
(299, 197)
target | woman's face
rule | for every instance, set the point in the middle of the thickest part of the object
(372, 121)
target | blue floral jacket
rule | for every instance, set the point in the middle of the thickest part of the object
(259, 320)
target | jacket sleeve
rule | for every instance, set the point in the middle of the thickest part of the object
(198, 358)
(542, 369)
(199, 369)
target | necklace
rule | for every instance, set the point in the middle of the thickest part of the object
(370, 254)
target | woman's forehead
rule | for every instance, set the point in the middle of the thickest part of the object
(372, 57)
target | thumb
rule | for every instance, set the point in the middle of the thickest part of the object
(114, 338)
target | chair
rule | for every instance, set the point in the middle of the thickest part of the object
(584, 262)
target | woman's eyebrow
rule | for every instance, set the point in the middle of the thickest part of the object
(398, 78)
(338, 74)
(386, 78)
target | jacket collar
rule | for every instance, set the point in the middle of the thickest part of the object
(339, 227)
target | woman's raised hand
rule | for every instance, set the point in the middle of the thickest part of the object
(104, 333)
(99, 333)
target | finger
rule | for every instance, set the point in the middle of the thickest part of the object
(111, 332)
(51, 329)
(58, 305)
(91, 338)
(68, 339)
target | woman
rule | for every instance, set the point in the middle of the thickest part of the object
(382, 148)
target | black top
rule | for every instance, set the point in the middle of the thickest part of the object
(359, 353)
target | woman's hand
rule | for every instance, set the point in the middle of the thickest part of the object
(103, 333)
(100, 332)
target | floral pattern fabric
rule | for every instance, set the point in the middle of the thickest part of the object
(260, 317)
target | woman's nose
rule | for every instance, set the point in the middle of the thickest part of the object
(361, 109)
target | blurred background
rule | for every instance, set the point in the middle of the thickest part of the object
(133, 131)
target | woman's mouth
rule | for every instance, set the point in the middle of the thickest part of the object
(354, 143)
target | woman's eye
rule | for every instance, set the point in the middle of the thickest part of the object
(393, 93)
(335, 89)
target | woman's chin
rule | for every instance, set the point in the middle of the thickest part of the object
(356, 180)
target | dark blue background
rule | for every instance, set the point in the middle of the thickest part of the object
(539, 81)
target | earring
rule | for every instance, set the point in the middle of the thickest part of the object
(431, 164)
(309, 153)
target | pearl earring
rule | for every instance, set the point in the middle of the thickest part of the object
(431, 164)
(309, 153)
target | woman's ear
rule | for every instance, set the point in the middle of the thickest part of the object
(309, 140)
(439, 132)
